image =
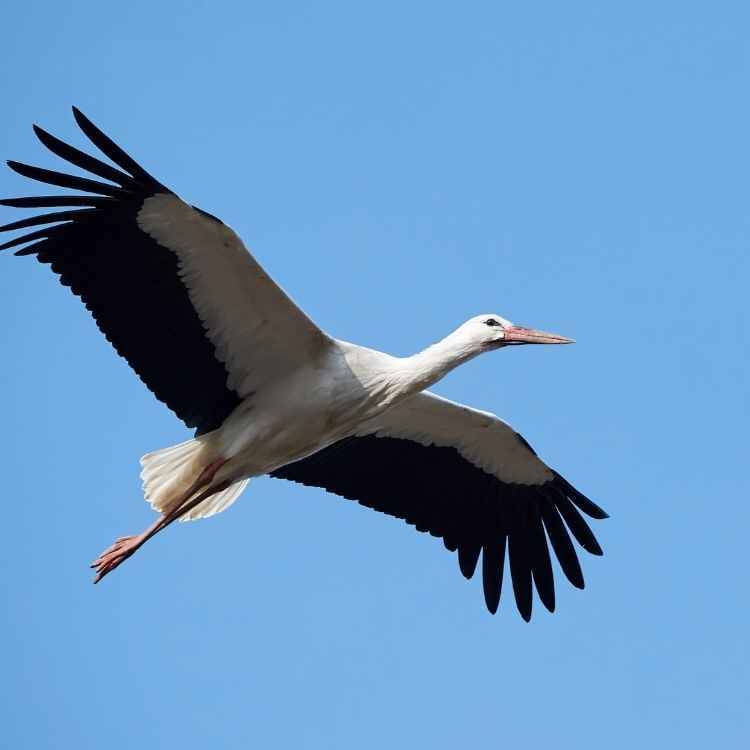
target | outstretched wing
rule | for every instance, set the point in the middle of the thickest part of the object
(171, 287)
(468, 477)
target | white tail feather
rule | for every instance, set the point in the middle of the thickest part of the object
(216, 503)
(168, 474)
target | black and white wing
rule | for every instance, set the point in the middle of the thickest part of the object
(171, 287)
(468, 477)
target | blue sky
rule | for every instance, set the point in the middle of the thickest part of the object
(580, 167)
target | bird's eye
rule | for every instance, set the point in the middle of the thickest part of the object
(491, 322)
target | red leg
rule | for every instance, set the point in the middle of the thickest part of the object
(126, 546)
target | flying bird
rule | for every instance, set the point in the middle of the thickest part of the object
(213, 336)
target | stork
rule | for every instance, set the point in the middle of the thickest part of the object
(268, 392)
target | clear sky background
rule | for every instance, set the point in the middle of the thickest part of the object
(581, 167)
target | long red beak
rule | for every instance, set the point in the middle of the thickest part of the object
(521, 335)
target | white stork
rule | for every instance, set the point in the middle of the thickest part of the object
(268, 392)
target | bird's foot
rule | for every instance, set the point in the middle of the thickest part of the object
(120, 551)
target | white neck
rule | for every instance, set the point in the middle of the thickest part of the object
(422, 370)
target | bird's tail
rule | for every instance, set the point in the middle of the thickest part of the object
(216, 503)
(169, 473)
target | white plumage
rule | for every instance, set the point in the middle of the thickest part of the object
(480, 437)
(215, 338)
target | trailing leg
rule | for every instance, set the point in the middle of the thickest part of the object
(126, 546)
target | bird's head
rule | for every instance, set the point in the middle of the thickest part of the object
(490, 331)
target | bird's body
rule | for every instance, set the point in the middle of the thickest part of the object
(337, 393)
(211, 334)
(305, 410)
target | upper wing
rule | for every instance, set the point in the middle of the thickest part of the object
(170, 286)
(468, 477)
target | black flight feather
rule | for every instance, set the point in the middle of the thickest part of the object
(129, 282)
(83, 160)
(50, 177)
(440, 491)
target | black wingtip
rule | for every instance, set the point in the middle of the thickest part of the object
(42, 134)
(18, 167)
(524, 610)
(589, 507)
(561, 544)
(493, 562)
(468, 556)
(594, 548)
(81, 119)
(114, 152)
(83, 122)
